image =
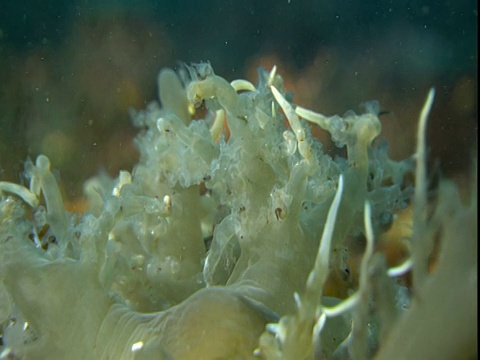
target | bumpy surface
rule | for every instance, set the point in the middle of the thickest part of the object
(223, 241)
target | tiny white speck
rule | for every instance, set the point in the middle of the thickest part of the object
(137, 346)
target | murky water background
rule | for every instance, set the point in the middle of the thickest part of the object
(70, 71)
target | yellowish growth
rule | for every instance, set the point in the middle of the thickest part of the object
(217, 247)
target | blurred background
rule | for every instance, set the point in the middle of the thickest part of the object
(71, 70)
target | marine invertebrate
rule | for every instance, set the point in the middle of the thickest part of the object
(221, 248)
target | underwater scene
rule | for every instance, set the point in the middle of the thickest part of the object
(278, 179)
